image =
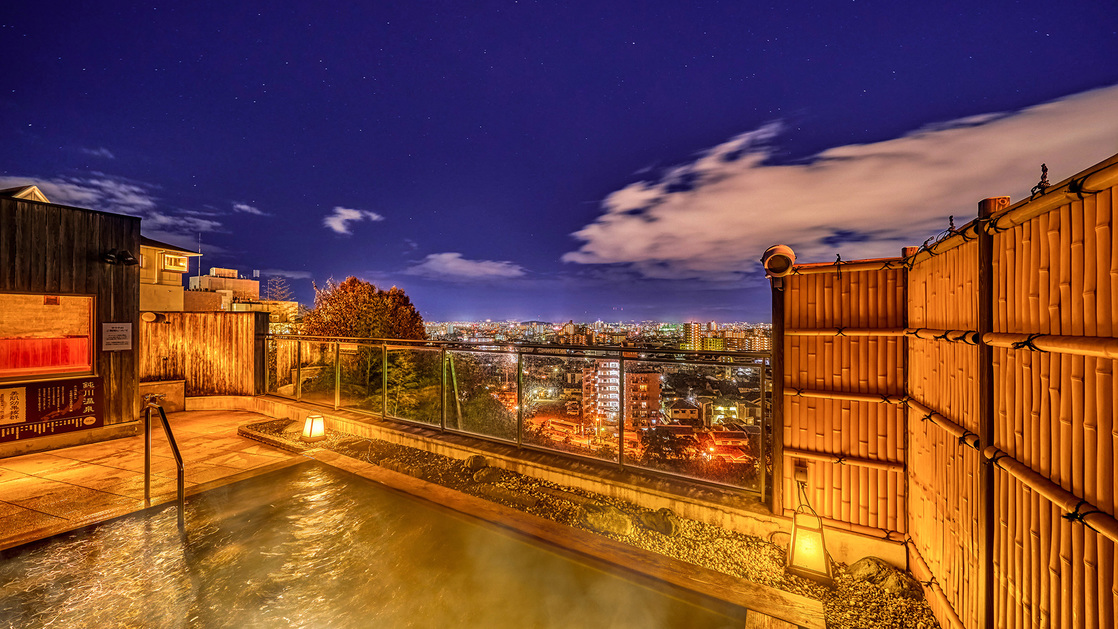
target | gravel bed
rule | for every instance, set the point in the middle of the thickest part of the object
(852, 603)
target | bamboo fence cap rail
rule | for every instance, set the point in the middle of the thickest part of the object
(869, 264)
(1075, 509)
(849, 396)
(1095, 346)
(1086, 182)
(1090, 181)
(970, 337)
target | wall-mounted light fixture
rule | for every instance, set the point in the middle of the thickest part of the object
(807, 553)
(122, 257)
(314, 429)
(778, 260)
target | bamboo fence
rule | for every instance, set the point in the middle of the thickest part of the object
(965, 397)
(843, 403)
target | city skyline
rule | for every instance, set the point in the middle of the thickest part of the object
(544, 162)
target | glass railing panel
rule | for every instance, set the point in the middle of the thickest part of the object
(697, 420)
(415, 384)
(281, 366)
(565, 408)
(481, 393)
(362, 376)
(316, 362)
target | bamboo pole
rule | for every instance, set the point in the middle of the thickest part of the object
(871, 264)
(1088, 513)
(969, 337)
(850, 332)
(880, 398)
(964, 436)
(1094, 346)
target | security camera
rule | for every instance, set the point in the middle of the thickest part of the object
(778, 260)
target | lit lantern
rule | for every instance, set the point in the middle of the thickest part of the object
(314, 428)
(807, 554)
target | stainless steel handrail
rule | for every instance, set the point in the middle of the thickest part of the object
(150, 402)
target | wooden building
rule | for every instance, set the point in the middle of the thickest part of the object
(69, 308)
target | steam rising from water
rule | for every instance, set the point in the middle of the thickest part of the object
(312, 547)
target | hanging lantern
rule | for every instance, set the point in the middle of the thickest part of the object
(807, 554)
(314, 428)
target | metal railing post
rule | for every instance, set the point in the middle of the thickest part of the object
(519, 398)
(337, 376)
(621, 411)
(147, 456)
(298, 370)
(442, 389)
(384, 380)
(764, 424)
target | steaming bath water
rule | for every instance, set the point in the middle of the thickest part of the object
(310, 546)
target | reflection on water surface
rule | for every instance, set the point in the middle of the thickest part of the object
(310, 546)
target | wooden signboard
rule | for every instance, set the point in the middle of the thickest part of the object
(40, 409)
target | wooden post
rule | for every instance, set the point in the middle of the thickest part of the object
(986, 208)
(776, 417)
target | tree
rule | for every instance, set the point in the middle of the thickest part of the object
(358, 309)
(277, 289)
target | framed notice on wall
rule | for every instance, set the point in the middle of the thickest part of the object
(40, 409)
(116, 337)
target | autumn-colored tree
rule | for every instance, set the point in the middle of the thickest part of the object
(357, 309)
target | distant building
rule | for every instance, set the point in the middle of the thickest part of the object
(219, 279)
(711, 343)
(684, 412)
(601, 394)
(642, 399)
(162, 267)
(692, 335)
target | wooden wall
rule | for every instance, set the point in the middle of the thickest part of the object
(1007, 379)
(50, 248)
(216, 353)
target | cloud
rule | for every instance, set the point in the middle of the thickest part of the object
(245, 208)
(295, 275)
(98, 152)
(341, 218)
(712, 218)
(454, 266)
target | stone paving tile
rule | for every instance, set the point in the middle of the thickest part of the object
(111, 480)
(14, 518)
(71, 501)
(199, 473)
(242, 461)
(37, 463)
(7, 475)
(134, 462)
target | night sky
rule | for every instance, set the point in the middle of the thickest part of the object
(524, 160)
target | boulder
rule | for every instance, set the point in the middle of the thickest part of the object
(605, 518)
(891, 580)
(497, 493)
(488, 475)
(663, 521)
(475, 462)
